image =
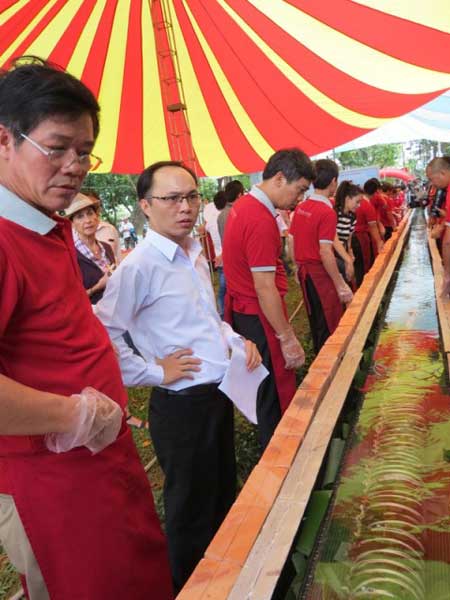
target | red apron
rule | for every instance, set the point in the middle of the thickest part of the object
(284, 379)
(331, 305)
(368, 249)
(91, 522)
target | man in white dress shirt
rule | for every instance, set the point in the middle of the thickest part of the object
(162, 294)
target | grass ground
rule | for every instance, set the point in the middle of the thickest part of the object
(247, 451)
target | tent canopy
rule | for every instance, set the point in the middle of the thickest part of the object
(244, 77)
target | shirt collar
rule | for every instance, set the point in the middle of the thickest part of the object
(257, 193)
(320, 198)
(20, 212)
(170, 248)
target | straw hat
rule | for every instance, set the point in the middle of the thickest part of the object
(78, 203)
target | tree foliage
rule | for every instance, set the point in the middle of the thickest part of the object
(382, 155)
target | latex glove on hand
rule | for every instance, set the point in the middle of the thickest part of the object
(345, 293)
(291, 349)
(445, 290)
(96, 425)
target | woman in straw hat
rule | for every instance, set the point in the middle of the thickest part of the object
(96, 259)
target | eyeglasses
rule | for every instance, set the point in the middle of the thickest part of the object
(193, 199)
(58, 156)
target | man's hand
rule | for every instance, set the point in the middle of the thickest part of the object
(349, 270)
(345, 293)
(445, 290)
(252, 355)
(179, 365)
(96, 424)
(291, 349)
(380, 246)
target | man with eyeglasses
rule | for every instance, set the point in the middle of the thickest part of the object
(257, 282)
(69, 471)
(162, 294)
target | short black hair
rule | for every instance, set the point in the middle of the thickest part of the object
(33, 90)
(232, 190)
(371, 186)
(292, 162)
(219, 200)
(145, 181)
(326, 171)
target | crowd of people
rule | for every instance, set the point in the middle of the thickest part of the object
(78, 323)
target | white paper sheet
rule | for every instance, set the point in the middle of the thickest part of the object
(241, 385)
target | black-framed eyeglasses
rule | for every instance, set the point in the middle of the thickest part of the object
(193, 199)
(59, 156)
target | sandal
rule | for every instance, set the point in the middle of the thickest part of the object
(137, 423)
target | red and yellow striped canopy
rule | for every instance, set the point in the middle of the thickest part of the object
(245, 77)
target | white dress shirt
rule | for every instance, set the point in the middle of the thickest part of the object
(165, 299)
(211, 214)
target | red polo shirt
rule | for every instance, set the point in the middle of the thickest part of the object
(314, 221)
(251, 242)
(49, 337)
(365, 214)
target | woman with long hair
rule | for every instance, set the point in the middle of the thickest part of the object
(346, 201)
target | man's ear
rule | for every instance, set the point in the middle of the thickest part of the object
(145, 206)
(7, 142)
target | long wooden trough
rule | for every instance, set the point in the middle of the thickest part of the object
(248, 553)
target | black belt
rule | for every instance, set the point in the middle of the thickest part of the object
(194, 390)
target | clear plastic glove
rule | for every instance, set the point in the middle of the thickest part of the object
(445, 290)
(97, 424)
(345, 293)
(291, 349)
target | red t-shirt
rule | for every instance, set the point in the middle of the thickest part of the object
(314, 221)
(380, 202)
(365, 214)
(50, 339)
(251, 241)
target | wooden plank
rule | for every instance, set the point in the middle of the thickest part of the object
(235, 544)
(443, 305)
(266, 560)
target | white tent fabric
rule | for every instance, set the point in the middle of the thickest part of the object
(431, 122)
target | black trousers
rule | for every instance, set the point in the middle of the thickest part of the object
(359, 261)
(317, 322)
(268, 410)
(193, 436)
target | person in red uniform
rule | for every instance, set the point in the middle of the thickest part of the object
(367, 242)
(257, 282)
(438, 172)
(385, 219)
(76, 512)
(313, 228)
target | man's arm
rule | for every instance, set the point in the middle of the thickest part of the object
(271, 305)
(270, 300)
(446, 262)
(375, 235)
(346, 257)
(116, 310)
(26, 411)
(329, 262)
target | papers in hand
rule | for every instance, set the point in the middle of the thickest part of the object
(241, 385)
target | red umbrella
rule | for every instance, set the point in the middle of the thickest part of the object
(402, 174)
(223, 83)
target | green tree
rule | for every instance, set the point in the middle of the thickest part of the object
(382, 155)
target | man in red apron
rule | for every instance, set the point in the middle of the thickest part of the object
(314, 229)
(76, 512)
(257, 284)
(366, 243)
(438, 172)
